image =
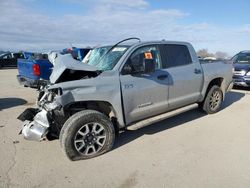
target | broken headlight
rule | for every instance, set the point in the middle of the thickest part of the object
(47, 99)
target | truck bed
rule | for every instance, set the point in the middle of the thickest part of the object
(217, 69)
(26, 70)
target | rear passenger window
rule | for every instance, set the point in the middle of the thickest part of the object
(174, 55)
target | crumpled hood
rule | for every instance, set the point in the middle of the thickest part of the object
(67, 62)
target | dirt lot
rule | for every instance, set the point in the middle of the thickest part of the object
(188, 150)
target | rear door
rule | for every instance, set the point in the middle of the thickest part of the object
(185, 77)
(144, 95)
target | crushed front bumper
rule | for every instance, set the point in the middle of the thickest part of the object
(36, 124)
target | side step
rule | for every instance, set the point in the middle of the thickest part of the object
(155, 119)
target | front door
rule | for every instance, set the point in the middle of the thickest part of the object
(144, 95)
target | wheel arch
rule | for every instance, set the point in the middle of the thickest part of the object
(100, 106)
(214, 82)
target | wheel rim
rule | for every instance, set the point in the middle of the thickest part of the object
(215, 100)
(90, 138)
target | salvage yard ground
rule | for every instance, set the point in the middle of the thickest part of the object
(188, 150)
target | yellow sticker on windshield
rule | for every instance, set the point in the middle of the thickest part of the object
(148, 55)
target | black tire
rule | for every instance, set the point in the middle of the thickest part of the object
(212, 103)
(72, 133)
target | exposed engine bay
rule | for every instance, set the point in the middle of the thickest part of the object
(67, 68)
(70, 75)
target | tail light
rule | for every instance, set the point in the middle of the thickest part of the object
(36, 70)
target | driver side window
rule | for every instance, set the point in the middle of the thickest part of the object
(135, 63)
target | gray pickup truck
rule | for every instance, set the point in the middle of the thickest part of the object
(85, 105)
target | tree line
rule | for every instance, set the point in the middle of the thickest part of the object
(218, 55)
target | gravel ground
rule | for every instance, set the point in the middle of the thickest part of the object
(188, 150)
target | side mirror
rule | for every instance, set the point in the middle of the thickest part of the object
(127, 69)
(149, 66)
(139, 65)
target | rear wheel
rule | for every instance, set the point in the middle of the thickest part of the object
(213, 100)
(87, 134)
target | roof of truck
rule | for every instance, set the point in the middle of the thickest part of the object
(165, 41)
(148, 42)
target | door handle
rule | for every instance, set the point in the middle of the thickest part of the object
(162, 77)
(197, 71)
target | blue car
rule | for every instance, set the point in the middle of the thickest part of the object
(241, 63)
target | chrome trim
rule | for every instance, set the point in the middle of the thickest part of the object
(241, 84)
(240, 73)
(36, 130)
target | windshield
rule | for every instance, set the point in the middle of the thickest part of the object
(243, 58)
(103, 61)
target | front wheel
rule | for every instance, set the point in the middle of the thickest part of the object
(213, 100)
(87, 134)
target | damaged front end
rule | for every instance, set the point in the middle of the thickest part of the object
(47, 119)
(40, 123)
(37, 128)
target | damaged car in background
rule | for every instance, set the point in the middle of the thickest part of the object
(85, 105)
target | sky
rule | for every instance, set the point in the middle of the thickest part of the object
(43, 25)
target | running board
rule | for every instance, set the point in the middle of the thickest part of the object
(161, 117)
